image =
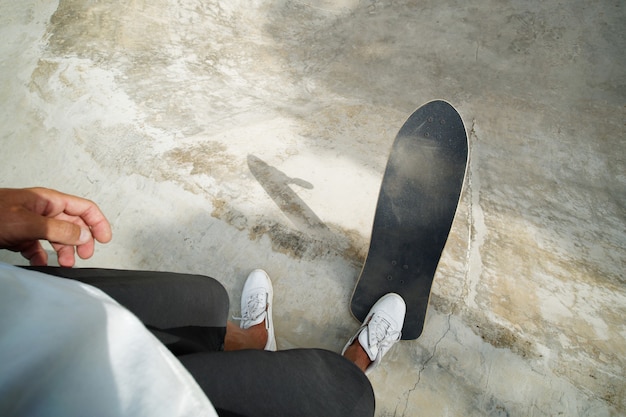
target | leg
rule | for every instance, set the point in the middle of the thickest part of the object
(357, 354)
(299, 382)
(237, 338)
(188, 313)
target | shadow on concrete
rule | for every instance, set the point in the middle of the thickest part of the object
(277, 185)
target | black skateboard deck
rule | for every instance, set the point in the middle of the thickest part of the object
(418, 198)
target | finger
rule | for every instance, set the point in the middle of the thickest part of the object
(65, 255)
(85, 250)
(35, 253)
(95, 222)
(87, 210)
(101, 231)
(65, 232)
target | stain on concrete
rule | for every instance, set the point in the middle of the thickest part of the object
(208, 158)
(40, 77)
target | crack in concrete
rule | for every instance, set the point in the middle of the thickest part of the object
(407, 394)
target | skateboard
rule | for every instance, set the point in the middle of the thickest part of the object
(418, 199)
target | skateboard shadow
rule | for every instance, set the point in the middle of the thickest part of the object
(277, 185)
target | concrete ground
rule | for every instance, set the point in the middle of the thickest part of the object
(222, 136)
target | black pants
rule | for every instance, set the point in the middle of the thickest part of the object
(188, 314)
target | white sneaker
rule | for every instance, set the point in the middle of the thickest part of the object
(256, 304)
(381, 329)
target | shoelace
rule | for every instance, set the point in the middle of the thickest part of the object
(384, 338)
(256, 305)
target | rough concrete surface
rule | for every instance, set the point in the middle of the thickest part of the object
(222, 136)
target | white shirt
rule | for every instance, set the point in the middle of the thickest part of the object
(68, 349)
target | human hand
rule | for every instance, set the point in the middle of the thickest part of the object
(69, 223)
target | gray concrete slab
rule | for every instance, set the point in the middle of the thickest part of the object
(224, 136)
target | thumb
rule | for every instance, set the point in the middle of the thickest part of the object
(66, 233)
